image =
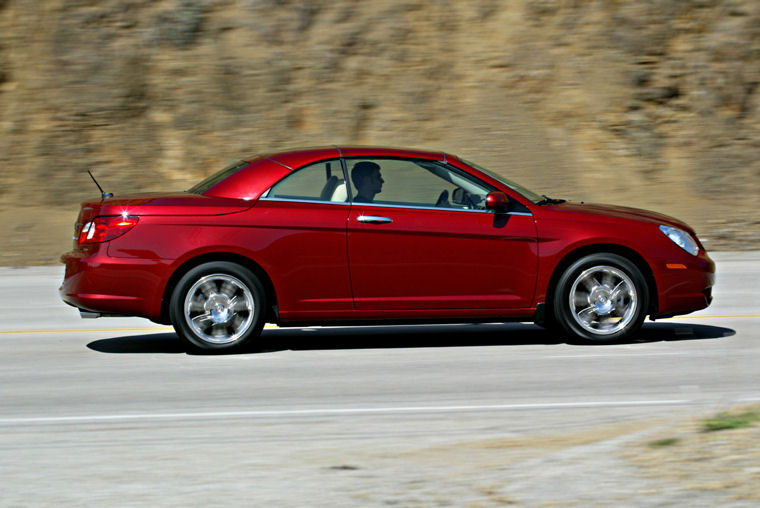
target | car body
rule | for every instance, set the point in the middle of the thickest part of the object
(282, 238)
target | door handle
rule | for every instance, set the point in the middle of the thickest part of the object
(373, 219)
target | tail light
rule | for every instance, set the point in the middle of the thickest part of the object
(105, 228)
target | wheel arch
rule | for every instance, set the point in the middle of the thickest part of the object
(604, 248)
(243, 261)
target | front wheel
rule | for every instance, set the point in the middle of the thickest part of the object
(218, 306)
(601, 298)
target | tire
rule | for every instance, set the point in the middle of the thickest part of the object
(601, 298)
(218, 307)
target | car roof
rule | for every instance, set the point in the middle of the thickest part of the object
(298, 157)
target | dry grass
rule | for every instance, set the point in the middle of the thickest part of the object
(719, 453)
(647, 104)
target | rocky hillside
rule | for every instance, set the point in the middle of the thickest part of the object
(650, 103)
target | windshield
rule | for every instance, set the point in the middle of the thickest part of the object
(214, 179)
(532, 196)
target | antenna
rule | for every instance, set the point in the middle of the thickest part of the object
(103, 194)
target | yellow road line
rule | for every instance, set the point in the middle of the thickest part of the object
(86, 330)
(98, 330)
(728, 316)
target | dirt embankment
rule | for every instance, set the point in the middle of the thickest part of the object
(645, 103)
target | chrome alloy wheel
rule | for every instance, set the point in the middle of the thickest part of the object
(603, 300)
(219, 308)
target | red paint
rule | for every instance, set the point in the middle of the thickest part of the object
(326, 266)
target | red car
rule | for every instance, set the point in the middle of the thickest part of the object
(374, 235)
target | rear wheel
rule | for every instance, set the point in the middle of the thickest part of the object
(218, 306)
(601, 298)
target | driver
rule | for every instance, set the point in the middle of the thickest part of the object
(368, 182)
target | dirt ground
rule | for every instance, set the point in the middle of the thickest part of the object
(651, 104)
(613, 465)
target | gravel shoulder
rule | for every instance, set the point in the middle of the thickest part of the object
(614, 465)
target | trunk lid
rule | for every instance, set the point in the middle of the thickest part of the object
(181, 203)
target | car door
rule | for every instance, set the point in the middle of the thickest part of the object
(412, 247)
(301, 225)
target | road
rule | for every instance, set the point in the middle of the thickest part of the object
(113, 412)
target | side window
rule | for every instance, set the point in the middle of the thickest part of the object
(407, 182)
(322, 181)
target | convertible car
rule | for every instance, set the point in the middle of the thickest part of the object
(341, 235)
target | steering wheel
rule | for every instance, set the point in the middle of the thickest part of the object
(443, 199)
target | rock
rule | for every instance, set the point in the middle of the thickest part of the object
(658, 94)
(179, 26)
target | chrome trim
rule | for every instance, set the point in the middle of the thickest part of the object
(317, 201)
(444, 158)
(374, 219)
(383, 205)
(420, 207)
(280, 163)
(439, 208)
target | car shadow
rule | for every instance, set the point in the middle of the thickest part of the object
(412, 336)
(166, 343)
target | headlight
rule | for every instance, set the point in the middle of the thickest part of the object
(681, 238)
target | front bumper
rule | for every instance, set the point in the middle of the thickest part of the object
(684, 285)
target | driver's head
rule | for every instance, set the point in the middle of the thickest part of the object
(366, 178)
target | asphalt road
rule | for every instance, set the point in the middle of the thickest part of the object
(113, 412)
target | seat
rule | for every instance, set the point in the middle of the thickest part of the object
(341, 192)
(334, 190)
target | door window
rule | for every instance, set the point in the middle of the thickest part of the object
(322, 181)
(415, 183)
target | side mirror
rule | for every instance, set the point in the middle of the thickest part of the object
(497, 201)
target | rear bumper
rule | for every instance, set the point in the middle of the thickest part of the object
(94, 282)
